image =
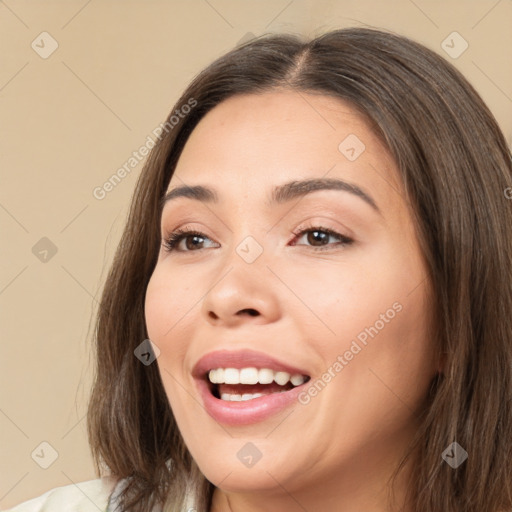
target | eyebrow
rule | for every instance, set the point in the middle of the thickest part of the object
(280, 194)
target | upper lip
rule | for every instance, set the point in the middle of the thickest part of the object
(241, 359)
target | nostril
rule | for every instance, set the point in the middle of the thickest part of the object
(251, 312)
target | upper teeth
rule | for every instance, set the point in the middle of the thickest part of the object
(253, 376)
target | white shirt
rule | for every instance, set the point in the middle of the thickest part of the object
(89, 496)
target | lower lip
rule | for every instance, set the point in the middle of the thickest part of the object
(248, 411)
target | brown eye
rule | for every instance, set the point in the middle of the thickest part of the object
(193, 240)
(318, 237)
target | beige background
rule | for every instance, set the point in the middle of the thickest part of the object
(69, 121)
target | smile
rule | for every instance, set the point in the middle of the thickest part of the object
(245, 387)
(235, 385)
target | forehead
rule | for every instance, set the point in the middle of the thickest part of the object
(250, 143)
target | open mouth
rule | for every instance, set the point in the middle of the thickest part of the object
(235, 385)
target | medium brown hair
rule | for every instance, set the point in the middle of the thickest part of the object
(455, 166)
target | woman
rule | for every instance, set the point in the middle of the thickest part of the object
(340, 338)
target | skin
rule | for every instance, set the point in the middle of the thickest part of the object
(336, 452)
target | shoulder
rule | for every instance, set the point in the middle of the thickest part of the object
(89, 496)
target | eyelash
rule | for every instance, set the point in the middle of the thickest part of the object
(173, 239)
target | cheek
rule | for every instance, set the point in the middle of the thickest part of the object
(167, 322)
(168, 313)
(375, 306)
(350, 294)
(169, 296)
(381, 320)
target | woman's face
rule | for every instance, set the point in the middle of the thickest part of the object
(348, 309)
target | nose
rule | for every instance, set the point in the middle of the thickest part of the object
(241, 292)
